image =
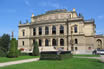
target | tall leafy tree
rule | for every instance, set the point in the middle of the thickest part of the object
(13, 52)
(5, 41)
(4, 44)
(35, 49)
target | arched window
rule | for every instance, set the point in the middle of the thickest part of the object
(75, 29)
(46, 30)
(46, 42)
(99, 44)
(76, 48)
(54, 43)
(34, 31)
(40, 42)
(23, 32)
(76, 41)
(61, 29)
(54, 30)
(40, 31)
(61, 42)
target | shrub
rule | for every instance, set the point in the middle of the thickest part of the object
(35, 49)
(13, 52)
(53, 55)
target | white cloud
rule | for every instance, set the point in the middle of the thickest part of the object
(101, 17)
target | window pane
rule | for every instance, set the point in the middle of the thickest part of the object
(34, 31)
(23, 43)
(76, 41)
(75, 29)
(40, 31)
(46, 30)
(76, 48)
(40, 42)
(54, 43)
(61, 42)
(46, 42)
(23, 33)
(53, 30)
(61, 29)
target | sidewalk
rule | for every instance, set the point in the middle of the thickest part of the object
(18, 62)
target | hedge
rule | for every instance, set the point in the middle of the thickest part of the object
(53, 55)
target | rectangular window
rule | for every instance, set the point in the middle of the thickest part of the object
(23, 43)
(40, 30)
(34, 31)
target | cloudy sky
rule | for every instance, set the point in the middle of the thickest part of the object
(12, 11)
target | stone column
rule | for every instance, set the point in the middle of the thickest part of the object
(65, 30)
(57, 29)
(43, 30)
(50, 30)
(58, 42)
(43, 42)
(50, 42)
(37, 31)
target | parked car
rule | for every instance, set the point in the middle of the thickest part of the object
(98, 52)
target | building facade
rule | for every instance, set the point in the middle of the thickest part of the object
(60, 29)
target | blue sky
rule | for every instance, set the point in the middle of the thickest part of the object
(12, 11)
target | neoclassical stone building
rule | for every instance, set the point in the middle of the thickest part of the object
(60, 29)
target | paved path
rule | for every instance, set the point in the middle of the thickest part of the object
(18, 62)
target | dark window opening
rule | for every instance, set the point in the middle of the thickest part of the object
(23, 33)
(75, 29)
(54, 43)
(34, 31)
(46, 30)
(61, 42)
(46, 42)
(40, 42)
(76, 48)
(61, 29)
(76, 41)
(40, 31)
(53, 30)
(23, 43)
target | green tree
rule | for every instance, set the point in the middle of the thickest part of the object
(5, 41)
(4, 45)
(35, 49)
(13, 52)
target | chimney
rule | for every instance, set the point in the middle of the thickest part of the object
(12, 34)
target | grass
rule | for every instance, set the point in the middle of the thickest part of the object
(72, 63)
(5, 59)
(87, 55)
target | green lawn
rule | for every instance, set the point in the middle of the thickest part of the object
(87, 55)
(5, 59)
(72, 63)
